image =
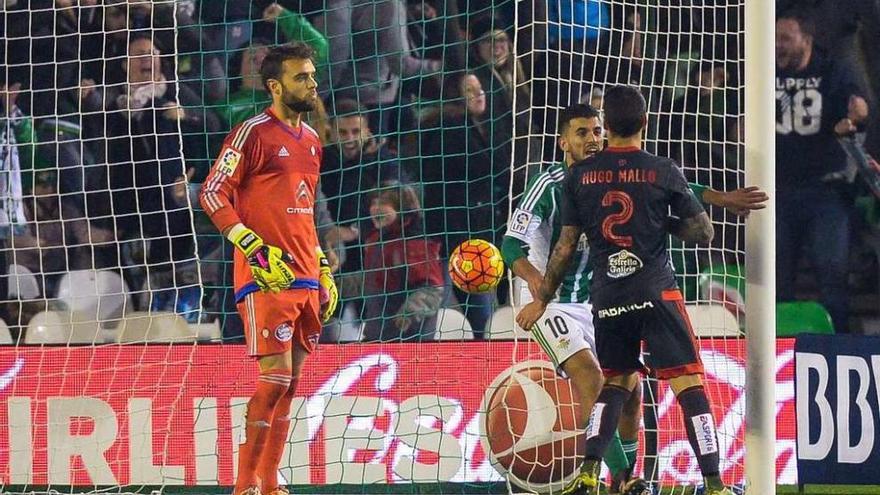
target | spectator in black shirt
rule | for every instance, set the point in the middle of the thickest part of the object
(817, 100)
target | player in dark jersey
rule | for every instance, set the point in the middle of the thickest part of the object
(621, 198)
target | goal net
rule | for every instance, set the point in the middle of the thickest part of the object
(122, 361)
(687, 60)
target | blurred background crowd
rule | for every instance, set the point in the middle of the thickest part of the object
(114, 111)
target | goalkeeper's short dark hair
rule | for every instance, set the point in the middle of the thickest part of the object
(625, 110)
(576, 111)
(273, 64)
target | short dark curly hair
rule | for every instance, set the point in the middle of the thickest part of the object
(272, 67)
(625, 110)
(576, 111)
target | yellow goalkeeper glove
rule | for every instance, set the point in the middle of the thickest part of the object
(269, 265)
(329, 293)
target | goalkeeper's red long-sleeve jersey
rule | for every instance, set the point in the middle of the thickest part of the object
(266, 178)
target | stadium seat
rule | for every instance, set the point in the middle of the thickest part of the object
(346, 328)
(452, 325)
(63, 327)
(712, 320)
(98, 294)
(724, 284)
(503, 326)
(207, 331)
(154, 327)
(22, 283)
(797, 317)
(5, 334)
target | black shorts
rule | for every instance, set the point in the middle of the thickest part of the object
(664, 326)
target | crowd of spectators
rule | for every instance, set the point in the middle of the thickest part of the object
(114, 109)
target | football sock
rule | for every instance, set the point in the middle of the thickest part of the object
(615, 455)
(700, 426)
(631, 449)
(271, 385)
(603, 421)
(280, 429)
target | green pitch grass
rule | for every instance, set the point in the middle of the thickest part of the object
(793, 490)
(829, 490)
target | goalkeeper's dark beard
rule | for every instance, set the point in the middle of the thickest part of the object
(296, 105)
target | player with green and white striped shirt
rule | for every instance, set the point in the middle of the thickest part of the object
(532, 231)
(565, 331)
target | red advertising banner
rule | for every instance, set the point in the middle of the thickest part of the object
(124, 415)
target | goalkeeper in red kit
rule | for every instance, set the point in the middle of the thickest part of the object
(260, 194)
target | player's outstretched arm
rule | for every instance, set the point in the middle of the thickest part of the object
(740, 201)
(696, 229)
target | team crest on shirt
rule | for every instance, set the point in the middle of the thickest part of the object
(283, 332)
(228, 161)
(623, 264)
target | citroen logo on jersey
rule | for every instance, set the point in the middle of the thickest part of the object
(303, 195)
(283, 152)
(302, 192)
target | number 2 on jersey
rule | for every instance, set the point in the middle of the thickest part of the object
(612, 198)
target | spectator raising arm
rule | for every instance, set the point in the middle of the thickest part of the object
(296, 27)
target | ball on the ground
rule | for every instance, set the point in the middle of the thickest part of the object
(531, 432)
(476, 266)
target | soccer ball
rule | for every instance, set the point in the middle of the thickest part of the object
(476, 266)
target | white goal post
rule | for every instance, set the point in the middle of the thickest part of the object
(760, 139)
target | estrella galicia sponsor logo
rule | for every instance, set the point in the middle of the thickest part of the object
(623, 264)
(283, 332)
(619, 310)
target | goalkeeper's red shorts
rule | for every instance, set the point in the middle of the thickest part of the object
(274, 322)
